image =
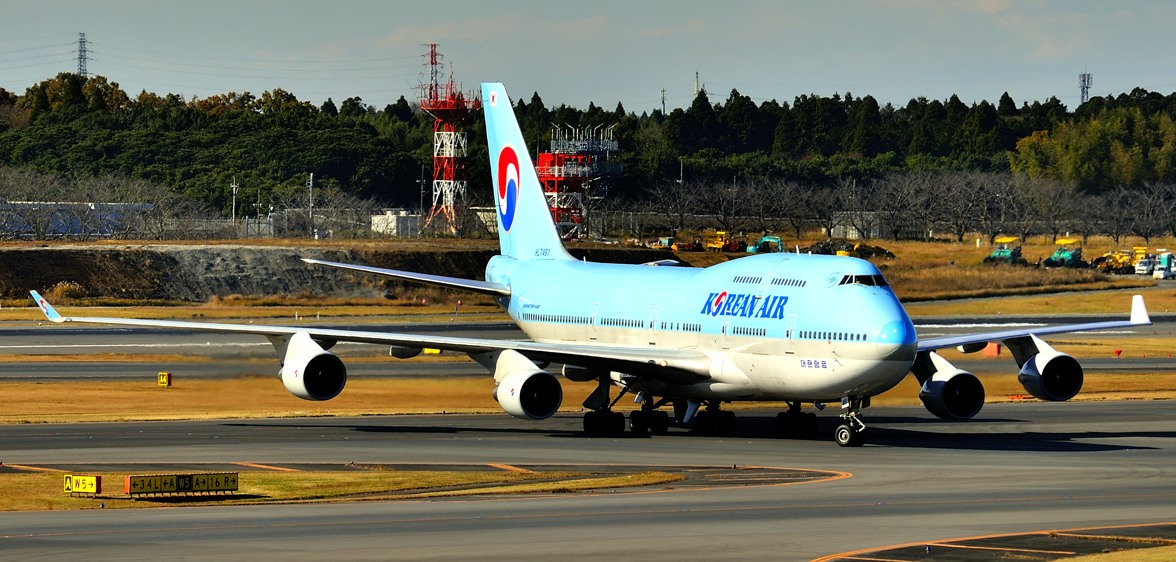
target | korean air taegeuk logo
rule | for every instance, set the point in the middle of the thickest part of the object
(507, 187)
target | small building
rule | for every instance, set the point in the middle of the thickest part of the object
(397, 222)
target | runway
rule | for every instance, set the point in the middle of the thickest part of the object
(229, 355)
(1018, 467)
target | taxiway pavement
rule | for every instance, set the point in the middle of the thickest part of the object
(1016, 467)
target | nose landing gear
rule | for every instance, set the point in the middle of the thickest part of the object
(851, 432)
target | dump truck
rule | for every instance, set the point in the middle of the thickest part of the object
(1068, 254)
(1008, 250)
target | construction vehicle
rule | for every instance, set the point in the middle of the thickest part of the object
(1145, 263)
(1115, 261)
(766, 245)
(720, 241)
(695, 246)
(663, 243)
(715, 242)
(1165, 265)
(1065, 255)
(1008, 250)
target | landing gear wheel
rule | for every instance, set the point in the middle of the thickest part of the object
(726, 423)
(604, 423)
(639, 422)
(659, 422)
(847, 435)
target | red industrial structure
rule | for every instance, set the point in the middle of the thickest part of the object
(449, 108)
(578, 158)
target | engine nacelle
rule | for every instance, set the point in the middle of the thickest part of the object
(953, 394)
(311, 372)
(1051, 375)
(948, 392)
(531, 394)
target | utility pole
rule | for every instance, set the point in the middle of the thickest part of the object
(663, 101)
(310, 191)
(234, 186)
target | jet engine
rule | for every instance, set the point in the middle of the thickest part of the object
(948, 392)
(1051, 375)
(529, 394)
(1046, 373)
(523, 389)
(311, 372)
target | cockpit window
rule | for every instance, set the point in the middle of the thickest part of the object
(868, 280)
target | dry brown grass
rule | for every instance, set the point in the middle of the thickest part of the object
(265, 397)
(42, 491)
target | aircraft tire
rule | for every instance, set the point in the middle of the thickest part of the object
(659, 422)
(639, 422)
(848, 436)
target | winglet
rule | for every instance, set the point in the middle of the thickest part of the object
(50, 312)
(1139, 311)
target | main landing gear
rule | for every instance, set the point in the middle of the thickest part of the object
(851, 431)
(602, 420)
(795, 423)
(714, 421)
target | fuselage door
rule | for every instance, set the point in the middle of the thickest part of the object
(790, 334)
(653, 324)
(593, 320)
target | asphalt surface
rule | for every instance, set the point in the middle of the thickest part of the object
(231, 355)
(1017, 468)
(918, 483)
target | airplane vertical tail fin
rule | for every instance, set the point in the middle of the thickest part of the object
(526, 230)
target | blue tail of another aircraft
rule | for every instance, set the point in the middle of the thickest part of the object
(525, 228)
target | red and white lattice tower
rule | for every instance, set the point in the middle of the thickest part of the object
(578, 157)
(449, 108)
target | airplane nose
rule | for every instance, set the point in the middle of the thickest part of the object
(897, 341)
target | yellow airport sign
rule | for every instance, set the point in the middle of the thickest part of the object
(80, 484)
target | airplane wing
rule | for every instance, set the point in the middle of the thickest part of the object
(484, 287)
(669, 365)
(1139, 317)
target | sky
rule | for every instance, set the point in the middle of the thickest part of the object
(603, 51)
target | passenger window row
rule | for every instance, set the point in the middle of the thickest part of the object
(831, 336)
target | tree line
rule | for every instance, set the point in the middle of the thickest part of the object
(909, 205)
(842, 146)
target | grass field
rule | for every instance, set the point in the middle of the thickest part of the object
(42, 490)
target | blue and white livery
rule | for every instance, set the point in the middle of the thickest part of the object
(798, 329)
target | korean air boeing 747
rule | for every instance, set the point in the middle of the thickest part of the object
(799, 329)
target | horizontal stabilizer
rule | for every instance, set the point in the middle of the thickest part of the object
(486, 288)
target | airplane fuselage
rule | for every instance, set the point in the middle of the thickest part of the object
(777, 326)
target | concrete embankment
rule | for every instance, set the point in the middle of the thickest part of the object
(199, 272)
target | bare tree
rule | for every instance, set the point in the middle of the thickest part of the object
(724, 203)
(1153, 214)
(676, 202)
(1044, 202)
(797, 206)
(826, 205)
(1117, 208)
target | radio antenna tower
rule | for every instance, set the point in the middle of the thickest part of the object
(1084, 81)
(83, 55)
(449, 108)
